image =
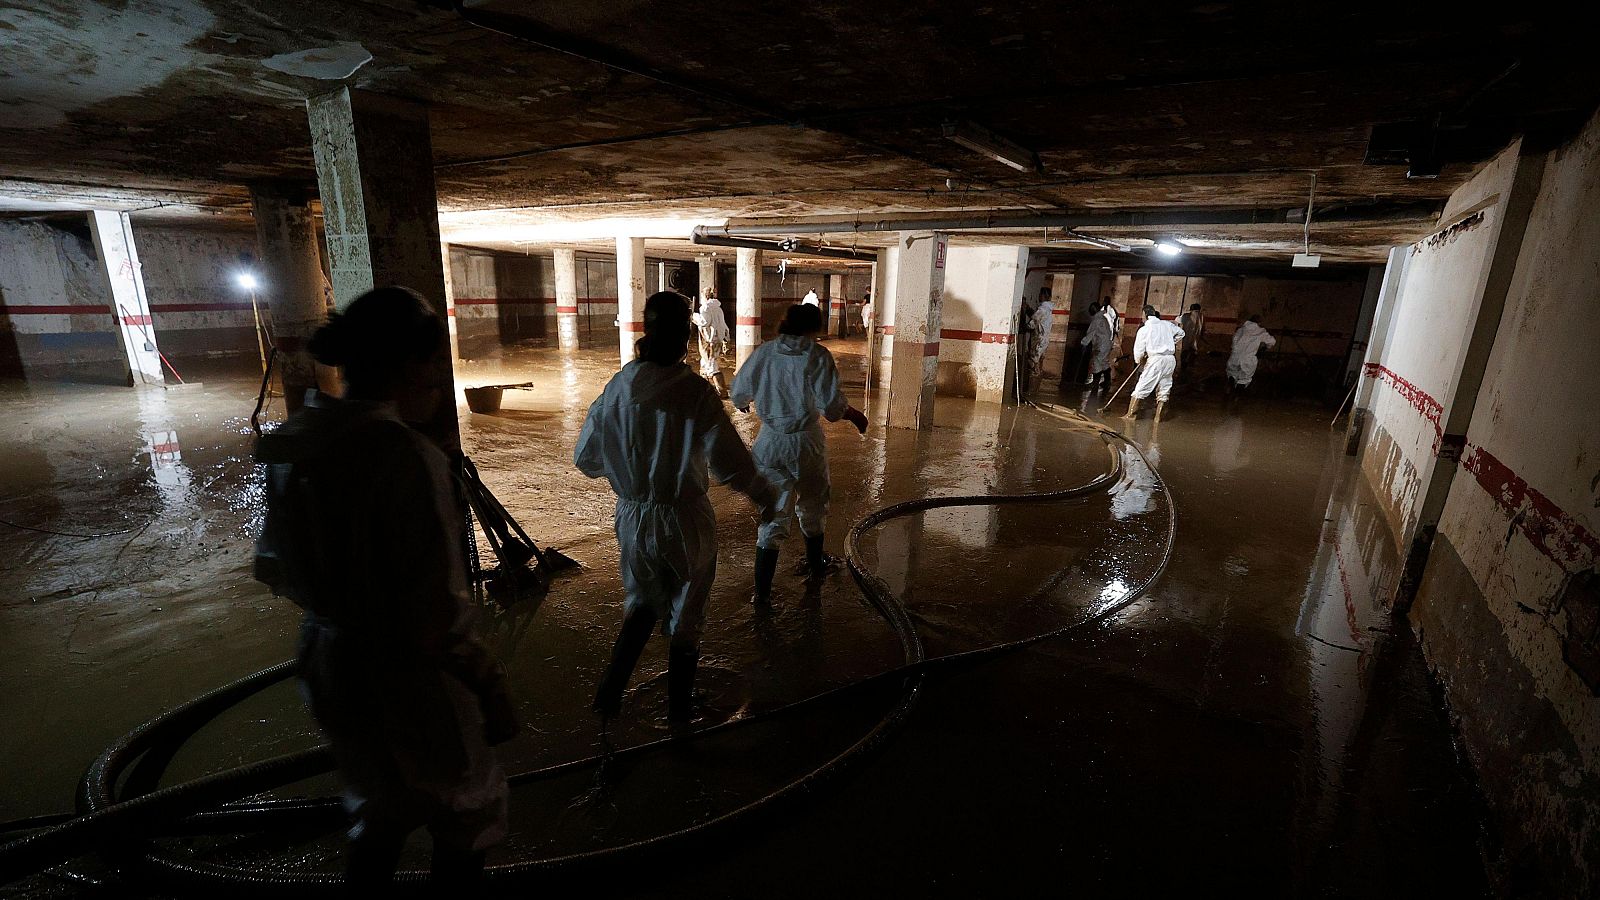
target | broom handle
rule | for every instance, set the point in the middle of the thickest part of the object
(1124, 384)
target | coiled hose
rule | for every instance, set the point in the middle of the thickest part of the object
(127, 820)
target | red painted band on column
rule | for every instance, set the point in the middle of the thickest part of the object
(566, 310)
(137, 320)
(886, 329)
(632, 326)
(1547, 526)
(750, 320)
(982, 337)
(1431, 409)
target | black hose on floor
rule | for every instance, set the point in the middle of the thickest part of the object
(204, 806)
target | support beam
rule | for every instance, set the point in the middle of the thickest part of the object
(289, 282)
(375, 176)
(918, 306)
(747, 331)
(630, 295)
(450, 302)
(994, 356)
(567, 299)
(124, 280)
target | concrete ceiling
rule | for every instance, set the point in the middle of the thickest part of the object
(704, 111)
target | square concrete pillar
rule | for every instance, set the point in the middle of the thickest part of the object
(375, 176)
(838, 305)
(450, 301)
(747, 330)
(708, 277)
(630, 294)
(919, 301)
(994, 356)
(567, 300)
(289, 281)
(124, 280)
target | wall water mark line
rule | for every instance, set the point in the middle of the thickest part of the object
(1547, 526)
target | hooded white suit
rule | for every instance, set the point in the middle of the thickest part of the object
(653, 433)
(795, 384)
(1247, 341)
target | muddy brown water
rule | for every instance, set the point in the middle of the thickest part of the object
(1256, 723)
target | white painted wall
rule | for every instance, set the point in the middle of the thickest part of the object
(1443, 283)
(43, 267)
(1504, 620)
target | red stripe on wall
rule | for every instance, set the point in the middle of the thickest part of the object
(982, 337)
(1420, 400)
(1547, 526)
(87, 310)
(504, 301)
(200, 307)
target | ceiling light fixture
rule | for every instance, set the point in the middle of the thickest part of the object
(1002, 150)
(1168, 248)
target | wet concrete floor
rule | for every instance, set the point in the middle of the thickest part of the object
(1256, 723)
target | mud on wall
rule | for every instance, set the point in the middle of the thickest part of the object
(55, 307)
(1509, 605)
(509, 298)
(191, 276)
(1420, 361)
(983, 291)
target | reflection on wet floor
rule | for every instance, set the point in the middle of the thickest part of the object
(1255, 723)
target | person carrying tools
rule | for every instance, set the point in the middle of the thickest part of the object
(794, 383)
(712, 326)
(1193, 324)
(1247, 342)
(363, 531)
(654, 433)
(1154, 347)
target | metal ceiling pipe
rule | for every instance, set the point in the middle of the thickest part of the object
(1173, 217)
(792, 248)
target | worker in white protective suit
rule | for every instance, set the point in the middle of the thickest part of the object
(1039, 338)
(712, 327)
(1247, 342)
(1155, 347)
(1097, 339)
(811, 299)
(794, 385)
(364, 532)
(653, 433)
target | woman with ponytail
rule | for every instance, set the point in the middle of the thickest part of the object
(655, 433)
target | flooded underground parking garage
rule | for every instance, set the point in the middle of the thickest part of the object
(485, 449)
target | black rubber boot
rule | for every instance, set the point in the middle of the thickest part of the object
(818, 563)
(625, 653)
(766, 568)
(681, 666)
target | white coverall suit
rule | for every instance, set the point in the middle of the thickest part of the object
(795, 384)
(1039, 338)
(1247, 341)
(653, 433)
(713, 328)
(1156, 345)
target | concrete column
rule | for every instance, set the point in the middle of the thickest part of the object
(747, 329)
(1394, 275)
(289, 282)
(450, 302)
(918, 304)
(567, 299)
(994, 357)
(119, 267)
(375, 176)
(838, 305)
(630, 294)
(708, 277)
(1483, 312)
